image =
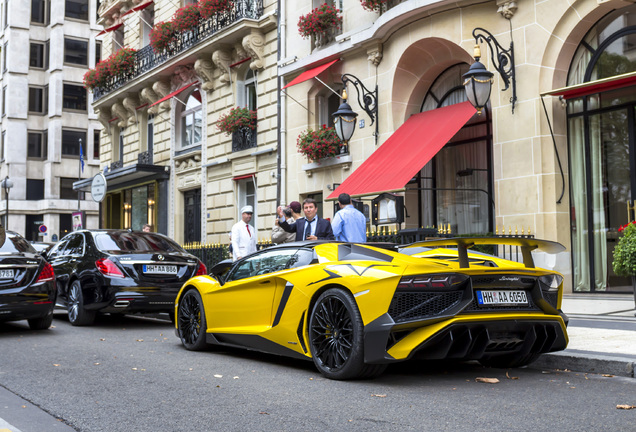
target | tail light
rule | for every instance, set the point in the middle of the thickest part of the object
(47, 274)
(202, 270)
(448, 280)
(108, 268)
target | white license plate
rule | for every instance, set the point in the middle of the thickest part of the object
(502, 298)
(6, 274)
(160, 269)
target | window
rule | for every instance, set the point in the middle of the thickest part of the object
(4, 99)
(37, 55)
(74, 97)
(4, 137)
(32, 228)
(6, 13)
(96, 144)
(71, 142)
(247, 91)
(76, 9)
(37, 145)
(98, 52)
(75, 245)
(247, 196)
(121, 144)
(40, 11)
(147, 22)
(76, 51)
(191, 121)
(118, 39)
(66, 226)
(328, 104)
(66, 188)
(4, 57)
(38, 99)
(34, 189)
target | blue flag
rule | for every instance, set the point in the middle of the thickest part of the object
(81, 157)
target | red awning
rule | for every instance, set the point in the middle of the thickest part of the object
(597, 86)
(174, 93)
(406, 152)
(243, 177)
(110, 29)
(311, 73)
(139, 7)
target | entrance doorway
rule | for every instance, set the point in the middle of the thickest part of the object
(192, 212)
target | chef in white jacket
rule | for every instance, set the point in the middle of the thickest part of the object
(243, 235)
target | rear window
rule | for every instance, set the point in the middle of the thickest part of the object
(15, 243)
(135, 242)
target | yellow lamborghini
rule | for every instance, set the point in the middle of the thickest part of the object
(354, 308)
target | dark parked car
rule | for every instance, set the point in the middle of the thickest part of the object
(27, 284)
(119, 271)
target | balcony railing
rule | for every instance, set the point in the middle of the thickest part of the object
(147, 59)
(244, 138)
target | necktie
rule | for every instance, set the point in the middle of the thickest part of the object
(248, 230)
(308, 228)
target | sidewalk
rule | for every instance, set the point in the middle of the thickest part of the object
(602, 333)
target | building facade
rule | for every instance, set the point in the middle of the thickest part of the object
(165, 161)
(47, 46)
(552, 154)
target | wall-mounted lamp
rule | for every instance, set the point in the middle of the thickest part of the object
(127, 214)
(6, 184)
(151, 212)
(478, 80)
(345, 118)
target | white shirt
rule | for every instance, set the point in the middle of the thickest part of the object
(243, 242)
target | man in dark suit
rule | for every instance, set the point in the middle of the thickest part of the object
(311, 227)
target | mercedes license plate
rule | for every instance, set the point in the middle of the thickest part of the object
(160, 269)
(6, 274)
(502, 298)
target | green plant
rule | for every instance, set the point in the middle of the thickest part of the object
(186, 18)
(624, 262)
(319, 144)
(373, 5)
(209, 8)
(237, 118)
(122, 62)
(161, 35)
(319, 21)
(97, 77)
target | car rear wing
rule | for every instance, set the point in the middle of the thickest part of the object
(527, 245)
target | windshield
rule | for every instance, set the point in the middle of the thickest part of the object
(15, 243)
(134, 242)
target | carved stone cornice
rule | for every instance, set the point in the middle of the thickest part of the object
(148, 96)
(104, 116)
(222, 59)
(507, 8)
(182, 75)
(131, 103)
(162, 89)
(192, 161)
(374, 54)
(118, 109)
(205, 70)
(254, 44)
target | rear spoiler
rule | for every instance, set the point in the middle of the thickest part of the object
(527, 245)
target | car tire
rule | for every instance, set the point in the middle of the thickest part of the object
(336, 338)
(77, 313)
(509, 360)
(41, 323)
(191, 321)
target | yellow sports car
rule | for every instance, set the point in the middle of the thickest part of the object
(354, 308)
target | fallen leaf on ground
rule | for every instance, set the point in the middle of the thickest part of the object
(235, 377)
(509, 377)
(263, 412)
(487, 380)
(625, 406)
(23, 406)
(140, 340)
(102, 339)
(218, 376)
(379, 395)
(608, 375)
(56, 365)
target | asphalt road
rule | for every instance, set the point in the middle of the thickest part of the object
(132, 374)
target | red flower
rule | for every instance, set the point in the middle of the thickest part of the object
(319, 21)
(237, 118)
(161, 35)
(208, 8)
(319, 144)
(186, 18)
(373, 5)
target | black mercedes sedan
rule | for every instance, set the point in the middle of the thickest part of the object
(119, 272)
(27, 284)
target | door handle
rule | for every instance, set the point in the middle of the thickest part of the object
(265, 282)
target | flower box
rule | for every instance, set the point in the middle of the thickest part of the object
(237, 118)
(320, 22)
(209, 8)
(319, 144)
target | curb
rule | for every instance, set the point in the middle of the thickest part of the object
(588, 363)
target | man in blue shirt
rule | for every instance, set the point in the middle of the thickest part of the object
(349, 224)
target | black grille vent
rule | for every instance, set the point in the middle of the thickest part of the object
(414, 305)
(551, 297)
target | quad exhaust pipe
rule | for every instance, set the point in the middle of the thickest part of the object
(122, 303)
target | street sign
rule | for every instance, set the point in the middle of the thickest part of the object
(42, 228)
(98, 187)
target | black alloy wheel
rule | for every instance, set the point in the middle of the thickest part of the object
(77, 313)
(191, 320)
(336, 337)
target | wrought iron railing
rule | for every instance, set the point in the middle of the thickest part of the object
(144, 158)
(209, 254)
(116, 164)
(147, 59)
(244, 138)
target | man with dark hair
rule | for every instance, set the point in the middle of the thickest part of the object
(310, 227)
(349, 224)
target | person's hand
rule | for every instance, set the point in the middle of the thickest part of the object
(276, 222)
(279, 211)
(312, 237)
